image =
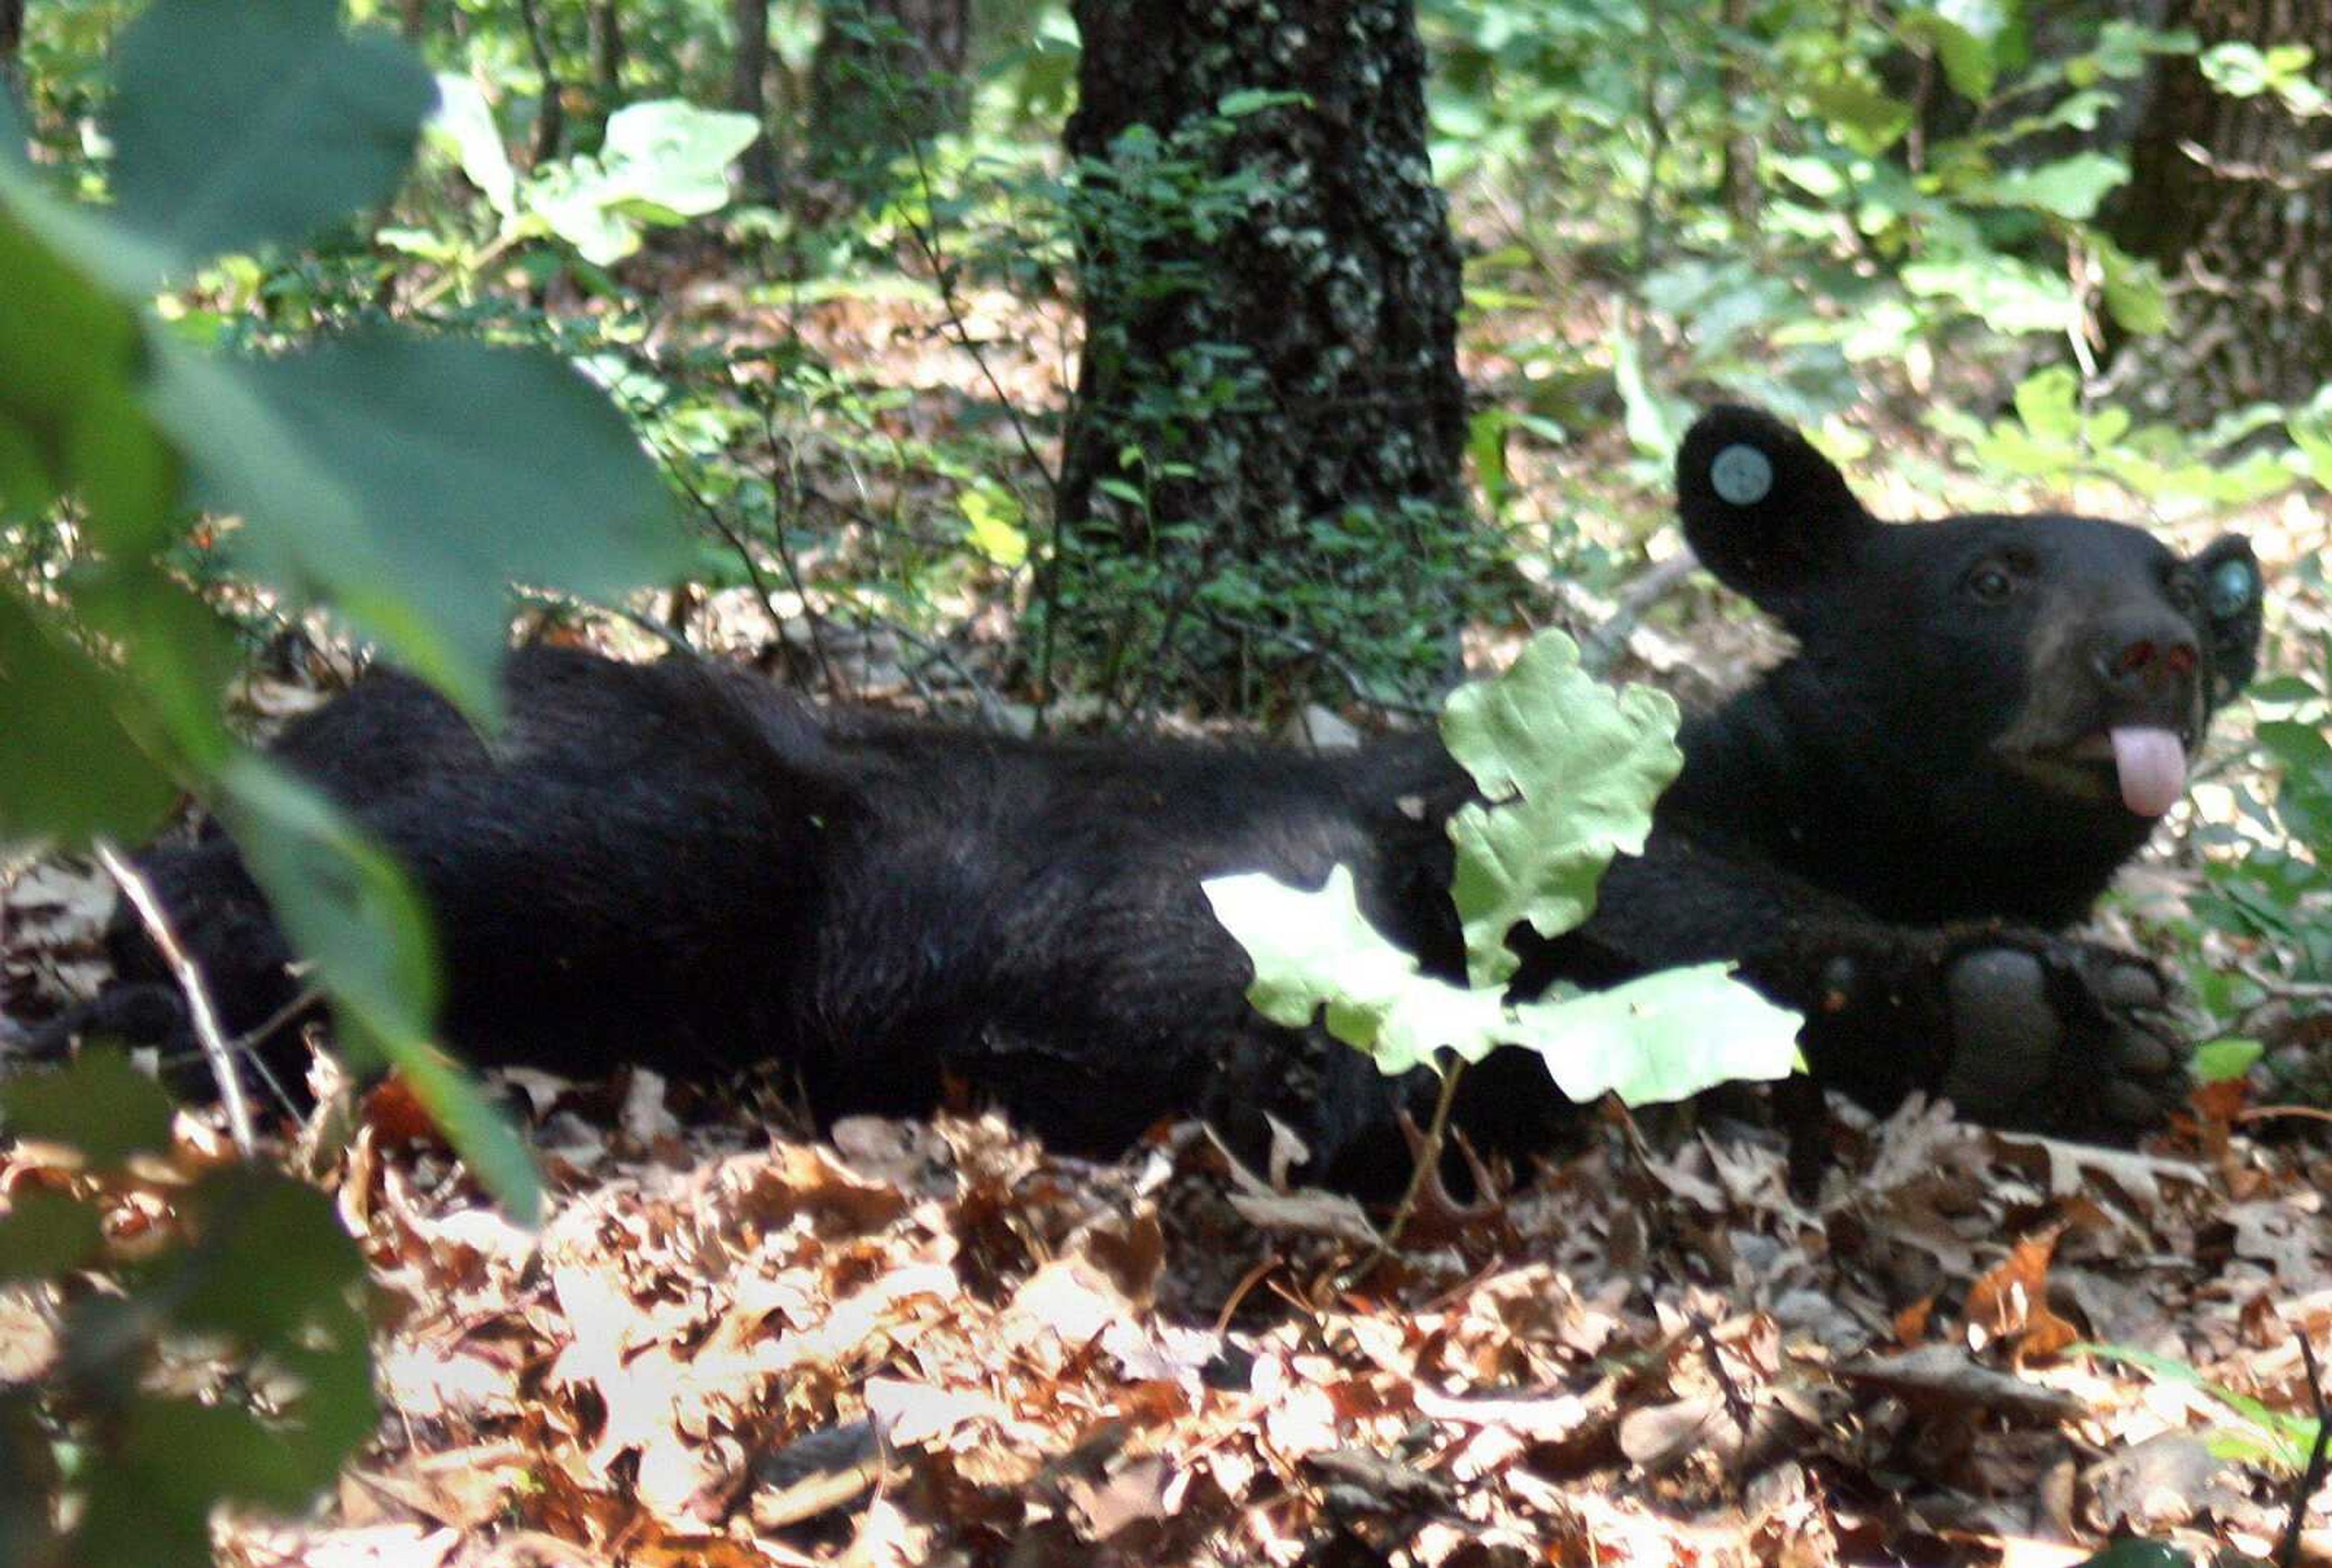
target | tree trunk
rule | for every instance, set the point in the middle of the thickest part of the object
(888, 74)
(12, 40)
(1261, 494)
(1737, 182)
(607, 51)
(550, 112)
(749, 94)
(2233, 198)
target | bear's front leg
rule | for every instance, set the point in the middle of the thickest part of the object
(2018, 1028)
(2060, 1035)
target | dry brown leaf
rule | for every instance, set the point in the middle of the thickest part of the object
(2011, 1301)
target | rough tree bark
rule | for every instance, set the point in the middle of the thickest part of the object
(1284, 375)
(2233, 198)
(887, 73)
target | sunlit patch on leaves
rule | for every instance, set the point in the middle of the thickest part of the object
(660, 164)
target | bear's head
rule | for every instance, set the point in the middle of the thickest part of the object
(2044, 676)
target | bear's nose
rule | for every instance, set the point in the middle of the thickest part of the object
(2142, 659)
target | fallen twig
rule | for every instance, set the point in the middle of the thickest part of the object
(199, 1011)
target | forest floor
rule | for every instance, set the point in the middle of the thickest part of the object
(733, 1343)
(931, 1342)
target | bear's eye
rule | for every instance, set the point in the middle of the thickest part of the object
(2184, 595)
(1991, 584)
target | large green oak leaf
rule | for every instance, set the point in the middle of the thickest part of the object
(1568, 772)
(1661, 1037)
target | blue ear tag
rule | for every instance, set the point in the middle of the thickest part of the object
(2233, 586)
(1742, 475)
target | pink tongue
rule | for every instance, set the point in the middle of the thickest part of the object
(2153, 767)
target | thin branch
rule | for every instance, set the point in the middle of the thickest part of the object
(927, 242)
(787, 561)
(2311, 1479)
(199, 1011)
(1429, 1162)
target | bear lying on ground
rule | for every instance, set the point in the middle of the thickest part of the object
(1985, 719)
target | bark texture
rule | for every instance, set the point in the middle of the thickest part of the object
(2233, 198)
(1279, 362)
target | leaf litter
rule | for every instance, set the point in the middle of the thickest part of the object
(933, 1342)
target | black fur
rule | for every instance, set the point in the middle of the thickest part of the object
(680, 866)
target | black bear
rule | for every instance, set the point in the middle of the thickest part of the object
(1983, 718)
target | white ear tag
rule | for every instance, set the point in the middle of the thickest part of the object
(2233, 586)
(1742, 475)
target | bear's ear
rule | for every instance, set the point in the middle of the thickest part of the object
(2231, 599)
(1765, 512)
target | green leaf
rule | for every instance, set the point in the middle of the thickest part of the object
(2301, 748)
(176, 653)
(2137, 1553)
(98, 1103)
(1969, 63)
(246, 123)
(2284, 690)
(464, 124)
(271, 1264)
(1664, 1036)
(45, 1233)
(70, 356)
(993, 519)
(2290, 1435)
(410, 480)
(349, 910)
(2009, 296)
(661, 162)
(1655, 423)
(2069, 188)
(127, 263)
(2237, 70)
(2311, 432)
(2133, 292)
(27, 488)
(344, 903)
(1568, 773)
(483, 1137)
(2225, 1059)
(172, 1462)
(1866, 119)
(1316, 950)
(1254, 101)
(69, 766)
(2048, 403)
